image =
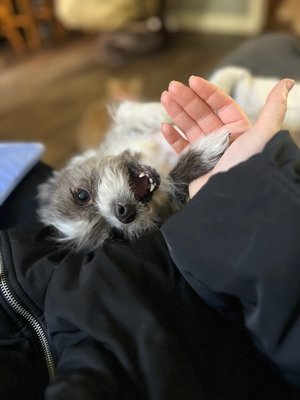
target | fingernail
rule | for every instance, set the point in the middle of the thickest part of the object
(289, 84)
(173, 86)
(171, 83)
(162, 96)
(192, 77)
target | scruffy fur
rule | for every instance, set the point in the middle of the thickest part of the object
(127, 186)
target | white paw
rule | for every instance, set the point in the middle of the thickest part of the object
(212, 145)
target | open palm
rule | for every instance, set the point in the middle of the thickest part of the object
(199, 109)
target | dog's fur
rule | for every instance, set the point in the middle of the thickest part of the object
(130, 185)
(96, 119)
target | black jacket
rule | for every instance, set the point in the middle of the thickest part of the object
(248, 236)
(125, 322)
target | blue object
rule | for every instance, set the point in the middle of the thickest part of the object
(16, 160)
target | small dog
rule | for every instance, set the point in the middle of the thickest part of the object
(128, 186)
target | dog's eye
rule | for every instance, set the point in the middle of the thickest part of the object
(81, 196)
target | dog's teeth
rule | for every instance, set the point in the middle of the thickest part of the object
(152, 187)
(142, 175)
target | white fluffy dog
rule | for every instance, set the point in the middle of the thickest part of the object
(130, 185)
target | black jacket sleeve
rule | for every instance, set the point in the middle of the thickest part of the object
(238, 245)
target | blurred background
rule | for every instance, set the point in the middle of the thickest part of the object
(63, 61)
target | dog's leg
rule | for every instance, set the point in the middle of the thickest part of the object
(198, 159)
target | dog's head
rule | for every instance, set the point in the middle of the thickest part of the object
(96, 198)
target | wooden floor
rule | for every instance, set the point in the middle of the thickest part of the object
(43, 97)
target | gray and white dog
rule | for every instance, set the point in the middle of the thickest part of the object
(128, 186)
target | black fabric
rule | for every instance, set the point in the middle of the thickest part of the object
(245, 247)
(122, 322)
(22, 373)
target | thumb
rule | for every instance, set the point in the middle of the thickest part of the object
(272, 115)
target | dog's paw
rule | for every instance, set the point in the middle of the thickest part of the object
(208, 149)
(196, 160)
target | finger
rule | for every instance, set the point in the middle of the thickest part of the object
(272, 115)
(181, 119)
(174, 138)
(200, 112)
(221, 103)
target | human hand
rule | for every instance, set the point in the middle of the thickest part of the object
(199, 109)
(202, 108)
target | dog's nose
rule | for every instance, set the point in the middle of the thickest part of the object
(125, 212)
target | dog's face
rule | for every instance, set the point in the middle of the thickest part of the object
(96, 198)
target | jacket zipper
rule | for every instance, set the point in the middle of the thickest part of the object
(18, 308)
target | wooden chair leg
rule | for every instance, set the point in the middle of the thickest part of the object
(15, 39)
(30, 30)
(13, 36)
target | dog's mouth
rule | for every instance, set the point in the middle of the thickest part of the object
(143, 180)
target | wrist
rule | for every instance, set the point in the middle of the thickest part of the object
(198, 183)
